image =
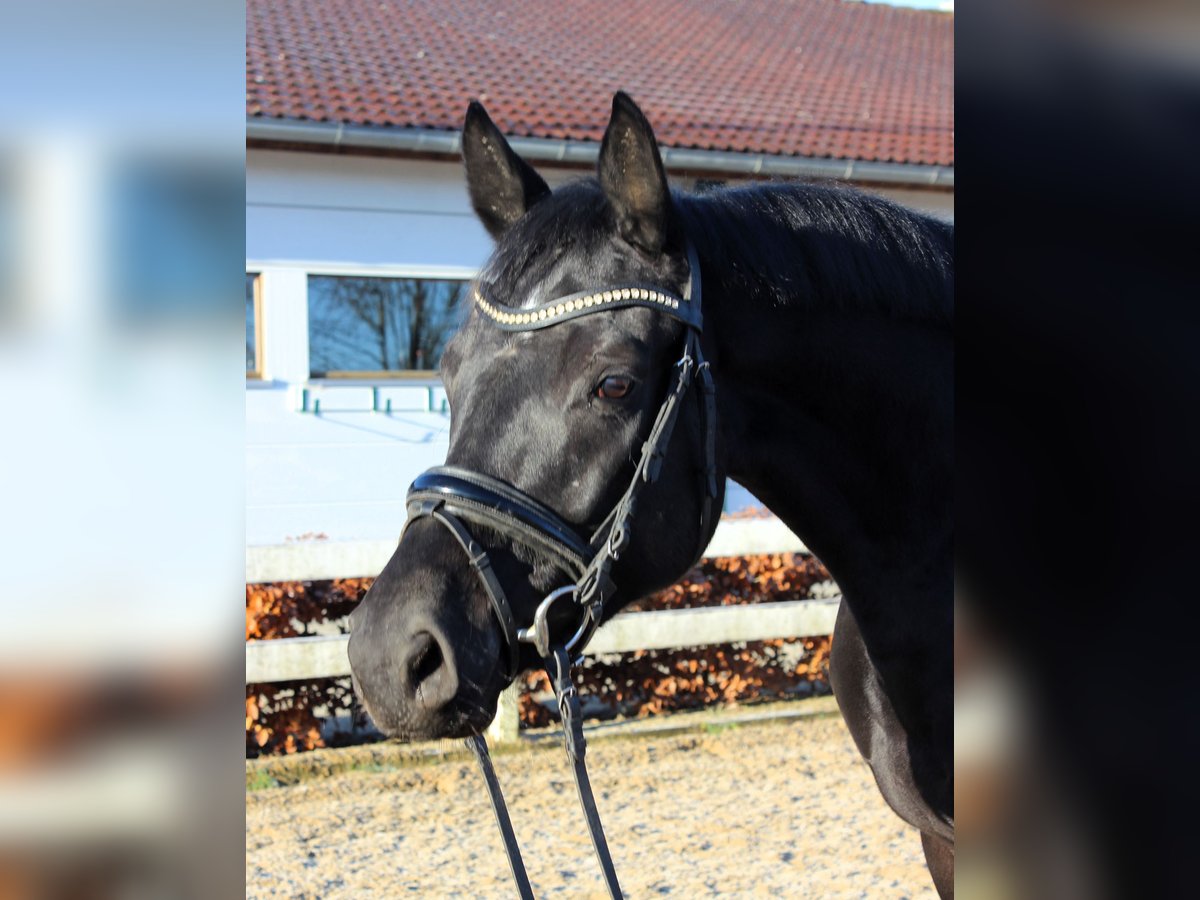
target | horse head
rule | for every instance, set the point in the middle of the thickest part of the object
(551, 403)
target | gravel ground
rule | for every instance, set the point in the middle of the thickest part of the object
(776, 809)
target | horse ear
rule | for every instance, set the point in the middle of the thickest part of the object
(631, 173)
(501, 184)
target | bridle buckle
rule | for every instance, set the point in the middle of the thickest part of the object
(617, 541)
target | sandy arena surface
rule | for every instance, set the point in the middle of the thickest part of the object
(782, 809)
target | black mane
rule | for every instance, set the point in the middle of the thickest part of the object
(830, 246)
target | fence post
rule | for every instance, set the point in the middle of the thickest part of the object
(506, 727)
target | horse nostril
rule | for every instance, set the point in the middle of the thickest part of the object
(425, 660)
(430, 678)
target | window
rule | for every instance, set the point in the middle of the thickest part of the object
(253, 327)
(361, 326)
(167, 235)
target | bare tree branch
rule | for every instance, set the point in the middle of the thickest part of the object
(368, 324)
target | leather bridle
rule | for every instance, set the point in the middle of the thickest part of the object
(452, 495)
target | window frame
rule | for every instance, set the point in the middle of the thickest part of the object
(462, 274)
(256, 374)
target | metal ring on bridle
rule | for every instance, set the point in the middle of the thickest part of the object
(538, 633)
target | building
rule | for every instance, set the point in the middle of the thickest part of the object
(359, 233)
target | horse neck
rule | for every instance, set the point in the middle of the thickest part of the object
(840, 423)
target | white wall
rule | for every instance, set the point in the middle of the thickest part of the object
(333, 214)
(359, 211)
(342, 473)
(368, 213)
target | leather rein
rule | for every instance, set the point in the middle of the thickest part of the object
(452, 495)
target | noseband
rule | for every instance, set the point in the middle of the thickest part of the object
(450, 495)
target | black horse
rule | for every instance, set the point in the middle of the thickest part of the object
(828, 325)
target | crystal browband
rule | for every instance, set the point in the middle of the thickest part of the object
(513, 318)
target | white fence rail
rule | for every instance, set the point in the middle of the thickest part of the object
(325, 656)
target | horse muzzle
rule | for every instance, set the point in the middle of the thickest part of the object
(416, 687)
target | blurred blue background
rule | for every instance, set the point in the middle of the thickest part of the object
(122, 245)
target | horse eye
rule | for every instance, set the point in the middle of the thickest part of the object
(614, 387)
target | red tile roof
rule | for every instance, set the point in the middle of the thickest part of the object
(819, 78)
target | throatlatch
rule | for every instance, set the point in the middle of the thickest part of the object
(450, 494)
